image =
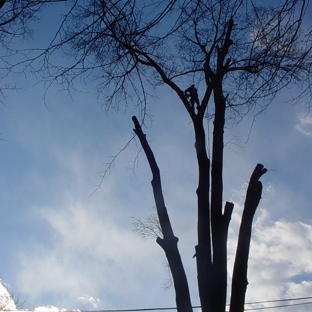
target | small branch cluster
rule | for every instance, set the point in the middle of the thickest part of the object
(148, 228)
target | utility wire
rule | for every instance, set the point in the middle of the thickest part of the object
(279, 306)
(279, 300)
(198, 307)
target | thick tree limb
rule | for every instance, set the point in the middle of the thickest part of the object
(240, 282)
(170, 242)
(203, 249)
(219, 221)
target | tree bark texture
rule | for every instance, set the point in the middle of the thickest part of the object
(169, 242)
(239, 280)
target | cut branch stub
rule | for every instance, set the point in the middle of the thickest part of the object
(254, 190)
(228, 209)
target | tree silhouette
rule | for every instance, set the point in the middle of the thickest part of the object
(16, 15)
(235, 55)
(15, 20)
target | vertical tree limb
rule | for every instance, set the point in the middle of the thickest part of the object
(239, 281)
(203, 249)
(170, 242)
(219, 221)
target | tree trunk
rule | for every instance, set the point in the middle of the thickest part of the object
(219, 221)
(203, 249)
(218, 227)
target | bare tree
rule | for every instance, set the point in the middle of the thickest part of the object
(16, 17)
(231, 56)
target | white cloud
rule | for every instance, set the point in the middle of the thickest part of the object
(305, 124)
(91, 254)
(50, 309)
(279, 265)
(90, 300)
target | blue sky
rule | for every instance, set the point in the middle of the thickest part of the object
(65, 248)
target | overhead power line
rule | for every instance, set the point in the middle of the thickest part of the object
(198, 307)
(279, 300)
(279, 306)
